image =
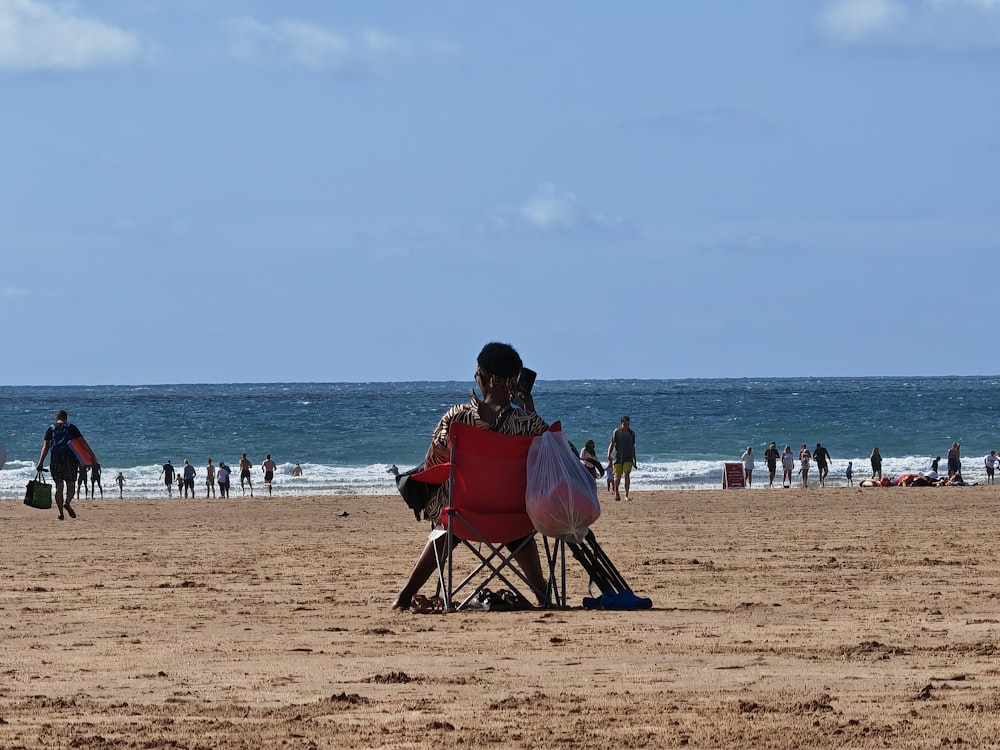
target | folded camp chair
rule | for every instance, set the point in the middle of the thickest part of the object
(487, 474)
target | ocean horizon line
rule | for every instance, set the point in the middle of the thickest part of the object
(726, 378)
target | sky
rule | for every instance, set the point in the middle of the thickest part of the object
(202, 191)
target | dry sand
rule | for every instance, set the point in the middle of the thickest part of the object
(785, 618)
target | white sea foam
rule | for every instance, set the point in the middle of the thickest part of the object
(322, 480)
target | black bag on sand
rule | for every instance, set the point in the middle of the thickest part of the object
(415, 494)
(39, 493)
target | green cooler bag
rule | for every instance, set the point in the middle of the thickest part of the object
(39, 493)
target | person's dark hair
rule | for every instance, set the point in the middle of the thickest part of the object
(501, 360)
(61, 415)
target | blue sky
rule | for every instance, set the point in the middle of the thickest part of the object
(229, 190)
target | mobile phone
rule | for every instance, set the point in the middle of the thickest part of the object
(526, 381)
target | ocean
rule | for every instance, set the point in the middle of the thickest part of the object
(346, 435)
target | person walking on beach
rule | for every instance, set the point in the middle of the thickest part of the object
(223, 476)
(95, 479)
(954, 460)
(849, 473)
(771, 457)
(268, 468)
(209, 480)
(991, 461)
(876, 459)
(804, 458)
(787, 464)
(81, 482)
(934, 465)
(822, 458)
(167, 472)
(63, 464)
(120, 481)
(747, 459)
(623, 445)
(245, 467)
(189, 472)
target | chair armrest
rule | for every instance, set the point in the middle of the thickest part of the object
(437, 474)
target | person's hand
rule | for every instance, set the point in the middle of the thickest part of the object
(529, 401)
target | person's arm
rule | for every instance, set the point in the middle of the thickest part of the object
(41, 458)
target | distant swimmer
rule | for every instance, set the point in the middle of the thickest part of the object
(297, 471)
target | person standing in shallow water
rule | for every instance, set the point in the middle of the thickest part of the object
(771, 457)
(167, 472)
(223, 476)
(822, 458)
(209, 480)
(268, 467)
(623, 445)
(787, 464)
(95, 480)
(804, 458)
(245, 480)
(876, 459)
(954, 460)
(747, 459)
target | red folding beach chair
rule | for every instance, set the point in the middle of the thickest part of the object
(488, 476)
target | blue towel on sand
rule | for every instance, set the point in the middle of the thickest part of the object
(613, 600)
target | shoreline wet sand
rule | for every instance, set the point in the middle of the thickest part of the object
(783, 618)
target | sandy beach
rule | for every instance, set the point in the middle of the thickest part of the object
(784, 618)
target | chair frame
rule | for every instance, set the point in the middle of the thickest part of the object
(494, 560)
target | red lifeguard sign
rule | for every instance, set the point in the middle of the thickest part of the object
(732, 477)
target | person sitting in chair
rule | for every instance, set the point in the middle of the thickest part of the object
(496, 374)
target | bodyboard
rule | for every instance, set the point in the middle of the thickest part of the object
(84, 453)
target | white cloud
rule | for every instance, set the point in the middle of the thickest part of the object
(849, 21)
(944, 25)
(38, 36)
(551, 209)
(715, 121)
(304, 45)
(984, 4)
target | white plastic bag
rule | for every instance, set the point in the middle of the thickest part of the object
(561, 497)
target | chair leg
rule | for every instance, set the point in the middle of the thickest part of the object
(598, 565)
(555, 555)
